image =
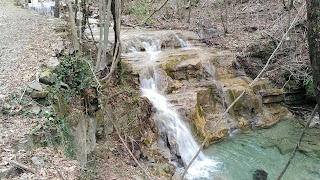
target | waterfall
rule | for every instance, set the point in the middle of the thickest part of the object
(169, 121)
(184, 44)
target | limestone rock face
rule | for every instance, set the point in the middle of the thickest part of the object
(272, 96)
(201, 83)
(83, 130)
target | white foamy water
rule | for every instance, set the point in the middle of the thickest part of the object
(152, 48)
(184, 44)
(169, 121)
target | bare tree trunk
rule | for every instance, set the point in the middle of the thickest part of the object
(116, 9)
(189, 5)
(76, 11)
(106, 29)
(85, 11)
(98, 62)
(104, 15)
(313, 13)
(56, 12)
(74, 32)
(225, 18)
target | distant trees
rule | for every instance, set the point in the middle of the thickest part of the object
(313, 10)
(78, 18)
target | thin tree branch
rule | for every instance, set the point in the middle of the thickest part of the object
(156, 11)
(299, 142)
(125, 145)
(195, 157)
(245, 90)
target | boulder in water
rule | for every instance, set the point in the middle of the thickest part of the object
(260, 174)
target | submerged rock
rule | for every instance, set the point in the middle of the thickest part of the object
(260, 174)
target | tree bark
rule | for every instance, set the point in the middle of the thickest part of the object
(116, 9)
(313, 13)
(107, 7)
(75, 40)
(98, 62)
(56, 12)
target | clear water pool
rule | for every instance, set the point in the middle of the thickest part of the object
(248, 151)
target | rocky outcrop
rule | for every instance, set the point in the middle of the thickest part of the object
(294, 93)
(202, 83)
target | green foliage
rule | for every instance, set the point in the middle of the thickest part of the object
(308, 84)
(75, 71)
(56, 133)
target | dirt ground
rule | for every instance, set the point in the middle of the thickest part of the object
(28, 42)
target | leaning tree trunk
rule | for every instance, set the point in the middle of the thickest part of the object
(313, 9)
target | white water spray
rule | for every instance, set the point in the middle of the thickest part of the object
(184, 44)
(169, 121)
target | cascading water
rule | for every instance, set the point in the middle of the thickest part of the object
(169, 121)
(184, 44)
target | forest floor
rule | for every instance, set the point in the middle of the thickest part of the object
(28, 42)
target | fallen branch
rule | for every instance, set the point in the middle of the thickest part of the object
(125, 145)
(299, 142)
(245, 90)
(20, 165)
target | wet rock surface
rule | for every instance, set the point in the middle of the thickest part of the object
(202, 82)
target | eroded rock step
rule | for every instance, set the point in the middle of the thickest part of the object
(203, 82)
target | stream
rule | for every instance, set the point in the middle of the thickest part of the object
(248, 151)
